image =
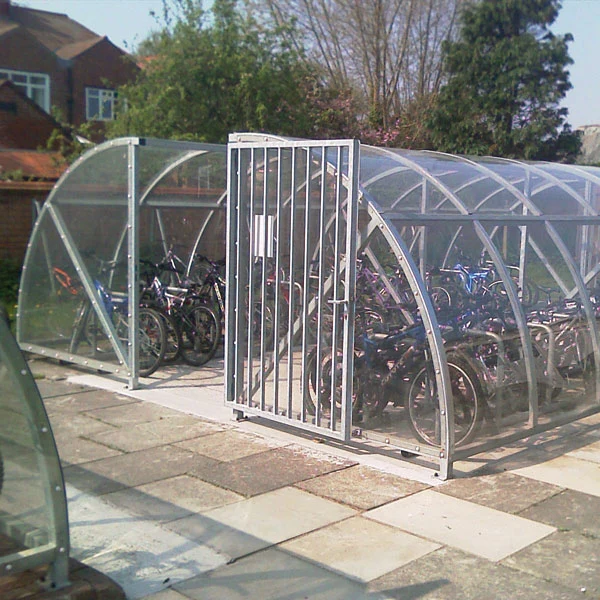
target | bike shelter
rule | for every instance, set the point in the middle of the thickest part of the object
(34, 528)
(421, 302)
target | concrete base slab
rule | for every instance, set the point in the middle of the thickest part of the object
(568, 472)
(141, 557)
(360, 548)
(476, 529)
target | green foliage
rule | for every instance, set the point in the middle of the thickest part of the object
(10, 274)
(65, 140)
(209, 73)
(507, 75)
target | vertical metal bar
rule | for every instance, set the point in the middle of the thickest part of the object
(584, 257)
(133, 288)
(323, 252)
(338, 245)
(231, 291)
(292, 246)
(423, 236)
(307, 269)
(241, 275)
(251, 301)
(264, 295)
(278, 282)
(350, 287)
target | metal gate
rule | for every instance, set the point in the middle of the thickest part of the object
(291, 271)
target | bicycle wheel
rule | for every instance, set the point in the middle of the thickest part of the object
(152, 341)
(529, 295)
(200, 335)
(423, 409)
(316, 386)
(440, 297)
(173, 349)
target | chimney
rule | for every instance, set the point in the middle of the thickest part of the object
(4, 8)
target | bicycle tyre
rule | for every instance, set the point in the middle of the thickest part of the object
(200, 335)
(314, 389)
(422, 405)
(152, 341)
(173, 348)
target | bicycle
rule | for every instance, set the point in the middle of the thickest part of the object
(194, 328)
(151, 331)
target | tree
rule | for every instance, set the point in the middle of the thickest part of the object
(387, 51)
(506, 77)
(212, 72)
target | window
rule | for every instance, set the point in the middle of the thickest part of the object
(34, 85)
(100, 105)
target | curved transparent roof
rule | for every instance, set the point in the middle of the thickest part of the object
(483, 186)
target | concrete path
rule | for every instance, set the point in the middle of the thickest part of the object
(173, 500)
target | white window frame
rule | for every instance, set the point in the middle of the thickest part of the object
(29, 86)
(102, 95)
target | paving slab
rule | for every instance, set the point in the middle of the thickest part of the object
(133, 469)
(84, 400)
(167, 595)
(269, 470)
(131, 438)
(141, 557)
(272, 575)
(132, 414)
(566, 558)
(76, 425)
(568, 472)
(360, 548)
(229, 445)
(451, 574)
(470, 527)
(256, 523)
(590, 452)
(77, 450)
(568, 511)
(506, 492)
(361, 487)
(60, 387)
(171, 499)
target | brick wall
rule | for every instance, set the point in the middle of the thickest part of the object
(16, 206)
(102, 66)
(22, 124)
(21, 52)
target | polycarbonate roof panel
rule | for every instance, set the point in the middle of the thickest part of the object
(395, 180)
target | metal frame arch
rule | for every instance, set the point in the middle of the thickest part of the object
(579, 283)
(505, 276)
(49, 210)
(432, 330)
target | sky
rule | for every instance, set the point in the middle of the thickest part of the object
(128, 22)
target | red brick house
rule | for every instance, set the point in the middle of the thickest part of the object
(46, 61)
(59, 63)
